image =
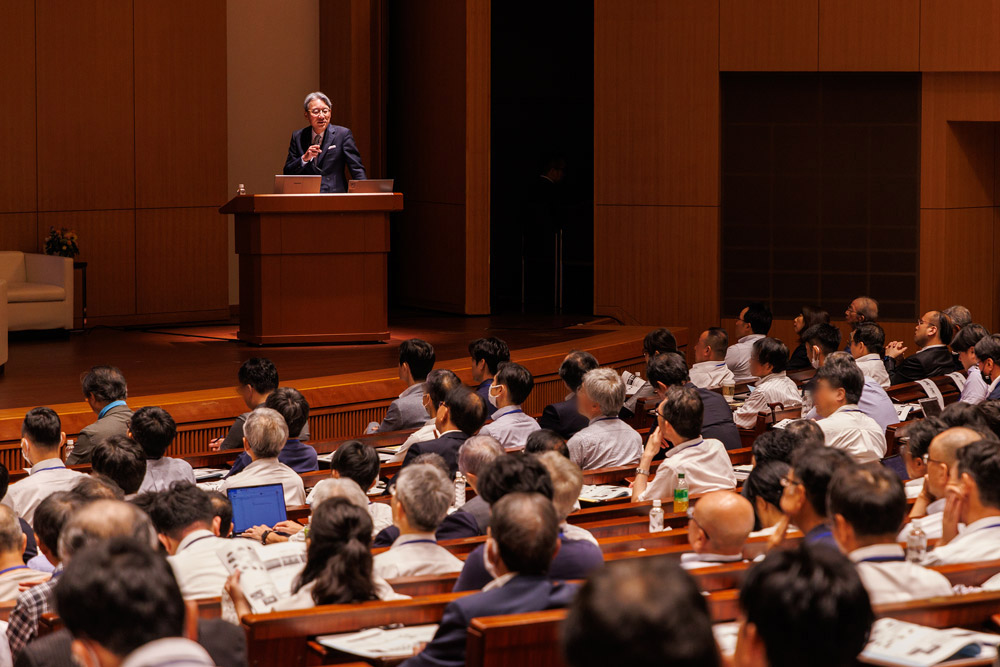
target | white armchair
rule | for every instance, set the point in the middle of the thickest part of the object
(39, 291)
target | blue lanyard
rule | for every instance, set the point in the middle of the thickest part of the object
(189, 544)
(16, 567)
(112, 404)
(62, 467)
(418, 542)
(882, 559)
(512, 412)
(992, 525)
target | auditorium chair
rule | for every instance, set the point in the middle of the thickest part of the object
(39, 290)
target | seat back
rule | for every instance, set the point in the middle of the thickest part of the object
(526, 640)
(12, 266)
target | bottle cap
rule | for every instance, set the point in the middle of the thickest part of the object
(680, 475)
(657, 503)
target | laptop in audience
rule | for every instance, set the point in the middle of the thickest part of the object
(262, 505)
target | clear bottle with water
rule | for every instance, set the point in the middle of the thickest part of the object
(681, 494)
(241, 190)
(459, 490)
(656, 517)
(916, 544)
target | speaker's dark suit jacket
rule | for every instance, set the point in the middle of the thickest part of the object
(339, 151)
(563, 418)
(926, 363)
(520, 595)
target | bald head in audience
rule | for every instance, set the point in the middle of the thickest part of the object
(942, 457)
(862, 309)
(720, 523)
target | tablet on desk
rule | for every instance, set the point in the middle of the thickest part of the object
(262, 505)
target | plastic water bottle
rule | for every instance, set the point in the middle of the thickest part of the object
(916, 544)
(459, 490)
(656, 517)
(69, 447)
(681, 494)
(241, 190)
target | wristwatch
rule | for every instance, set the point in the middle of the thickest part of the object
(642, 471)
(263, 537)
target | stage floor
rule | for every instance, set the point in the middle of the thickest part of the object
(45, 370)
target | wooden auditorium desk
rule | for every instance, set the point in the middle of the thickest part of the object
(313, 266)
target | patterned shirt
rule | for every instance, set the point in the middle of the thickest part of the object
(24, 618)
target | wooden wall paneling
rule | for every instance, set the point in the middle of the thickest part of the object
(85, 104)
(970, 164)
(959, 36)
(434, 278)
(477, 155)
(768, 35)
(180, 104)
(17, 107)
(180, 261)
(869, 35)
(107, 244)
(656, 102)
(19, 231)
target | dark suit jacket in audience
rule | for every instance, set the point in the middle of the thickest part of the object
(799, 361)
(234, 438)
(520, 595)
(455, 526)
(717, 421)
(114, 422)
(226, 644)
(298, 456)
(576, 560)
(447, 446)
(927, 363)
(480, 510)
(563, 418)
(484, 391)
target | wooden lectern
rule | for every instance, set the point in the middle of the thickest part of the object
(313, 267)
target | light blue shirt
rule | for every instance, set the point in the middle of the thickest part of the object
(510, 426)
(975, 389)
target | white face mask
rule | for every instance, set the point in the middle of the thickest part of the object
(814, 362)
(492, 396)
(24, 453)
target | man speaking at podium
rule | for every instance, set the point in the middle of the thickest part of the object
(322, 149)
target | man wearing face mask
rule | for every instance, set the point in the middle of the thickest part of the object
(41, 440)
(510, 426)
(459, 417)
(440, 382)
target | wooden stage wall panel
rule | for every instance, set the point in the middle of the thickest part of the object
(18, 187)
(768, 35)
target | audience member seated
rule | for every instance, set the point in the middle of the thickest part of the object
(421, 498)
(933, 332)
(810, 316)
(567, 482)
(293, 531)
(223, 512)
(607, 441)
(703, 461)
(974, 500)
(915, 438)
(41, 440)
(544, 440)
(458, 418)
(264, 434)
(866, 342)
(640, 612)
(940, 461)
(564, 417)
(867, 506)
(656, 342)
(987, 351)
(804, 499)
(294, 409)
(105, 391)
(964, 414)
(960, 316)
(767, 361)
(863, 309)
(439, 383)
(357, 461)
(13, 571)
(718, 527)
(753, 324)
(874, 401)
(257, 378)
(188, 529)
(710, 370)
(121, 459)
(788, 596)
(524, 538)
(138, 621)
(154, 429)
(575, 559)
(338, 567)
(837, 390)
(805, 433)
(30, 555)
(974, 390)
(669, 370)
(474, 455)
(763, 488)
(511, 387)
(487, 355)
(416, 359)
(776, 444)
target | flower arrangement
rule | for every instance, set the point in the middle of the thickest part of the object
(61, 242)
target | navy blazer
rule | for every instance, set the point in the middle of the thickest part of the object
(924, 364)
(520, 595)
(717, 420)
(298, 456)
(339, 151)
(447, 446)
(456, 525)
(484, 390)
(576, 559)
(563, 418)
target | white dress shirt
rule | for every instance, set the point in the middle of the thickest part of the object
(510, 427)
(381, 514)
(975, 389)
(705, 464)
(889, 577)
(693, 561)
(426, 432)
(605, 443)
(173, 651)
(775, 388)
(162, 472)
(197, 567)
(414, 555)
(44, 478)
(851, 430)
(710, 374)
(269, 471)
(571, 532)
(979, 541)
(738, 357)
(303, 599)
(932, 524)
(872, 366)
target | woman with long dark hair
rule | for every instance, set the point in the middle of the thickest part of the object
(809, 316)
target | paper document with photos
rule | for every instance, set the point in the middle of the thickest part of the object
(895, 642)
(633, 383)
(381, 643)
(599, 493)
(267, 573)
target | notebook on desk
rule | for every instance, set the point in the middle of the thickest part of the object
(262, 505)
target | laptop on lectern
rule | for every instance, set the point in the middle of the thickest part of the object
(370, 185)
(297, 185)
